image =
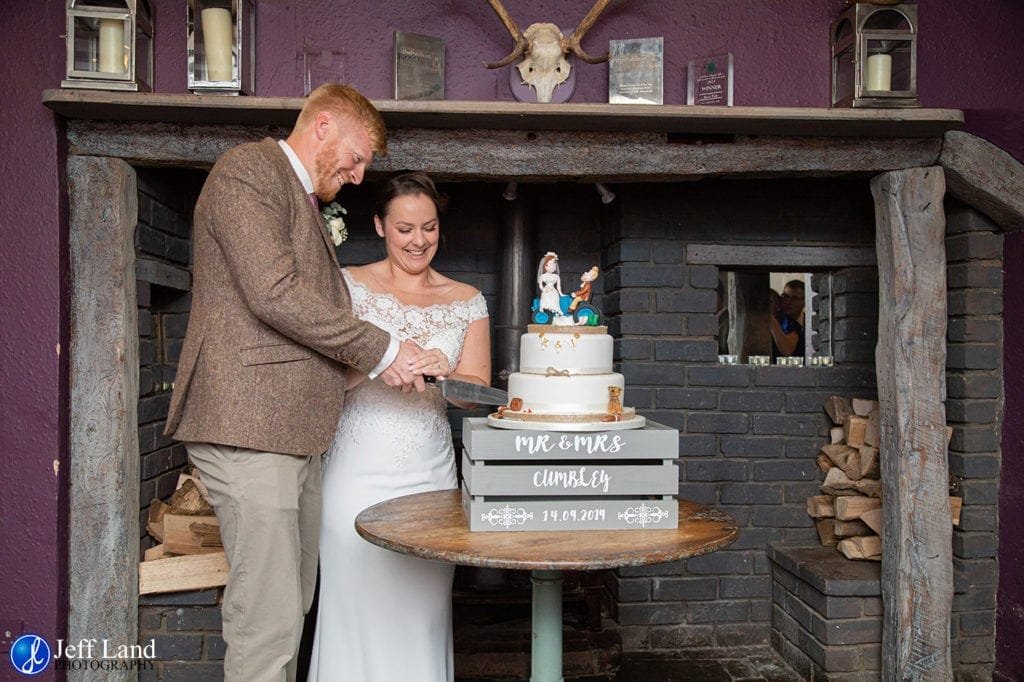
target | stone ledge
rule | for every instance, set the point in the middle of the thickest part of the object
(827, 570)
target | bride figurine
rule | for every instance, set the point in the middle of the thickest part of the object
(550, 282)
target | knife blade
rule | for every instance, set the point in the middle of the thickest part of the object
(469, 392)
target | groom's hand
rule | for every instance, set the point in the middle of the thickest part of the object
(398, 374)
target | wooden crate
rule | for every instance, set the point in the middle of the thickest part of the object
(521, 480)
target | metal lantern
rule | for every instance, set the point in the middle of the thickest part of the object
(874, 56)
(222, 46)
(109, 45)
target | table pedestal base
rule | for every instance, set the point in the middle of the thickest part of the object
(546, 649)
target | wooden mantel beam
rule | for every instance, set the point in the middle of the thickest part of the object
(985, 177)
(910, 361)
(501, 115)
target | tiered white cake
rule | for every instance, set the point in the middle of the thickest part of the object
(566, 380)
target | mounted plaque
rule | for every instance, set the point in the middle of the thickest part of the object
(419, 66)
(636, 71)
(709, 80)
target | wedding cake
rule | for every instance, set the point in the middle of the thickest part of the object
(565, 379)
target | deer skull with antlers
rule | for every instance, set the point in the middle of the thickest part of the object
(545, 49)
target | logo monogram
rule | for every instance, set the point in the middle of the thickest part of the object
(30, 654)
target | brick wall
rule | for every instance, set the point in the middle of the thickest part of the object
(163, 265)
(748, 436)
(185, 628)
(974, 408)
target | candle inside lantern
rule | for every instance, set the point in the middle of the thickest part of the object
(112, 46)
(879, 76)
(217, 30)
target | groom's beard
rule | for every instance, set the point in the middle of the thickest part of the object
(326, 182)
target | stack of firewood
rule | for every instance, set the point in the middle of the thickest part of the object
(848, 514)
(189, 555)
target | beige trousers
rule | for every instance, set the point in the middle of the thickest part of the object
(268, 508)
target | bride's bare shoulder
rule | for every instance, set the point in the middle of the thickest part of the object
(452, 290)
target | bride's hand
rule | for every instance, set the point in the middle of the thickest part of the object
(431, 362)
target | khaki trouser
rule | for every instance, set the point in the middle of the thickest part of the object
(268, 507)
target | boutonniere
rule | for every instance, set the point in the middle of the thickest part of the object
(332, 213)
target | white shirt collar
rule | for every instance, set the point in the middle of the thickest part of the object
(300, 170)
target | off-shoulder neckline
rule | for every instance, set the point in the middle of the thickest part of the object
(386, 294)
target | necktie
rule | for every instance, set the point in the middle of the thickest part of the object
(312, 200)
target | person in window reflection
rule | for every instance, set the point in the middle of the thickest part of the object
(787, 320)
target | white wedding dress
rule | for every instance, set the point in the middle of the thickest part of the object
(384, 616)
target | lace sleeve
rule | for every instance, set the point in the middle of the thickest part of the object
(477, 308)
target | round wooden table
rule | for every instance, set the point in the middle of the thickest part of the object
(432, 526)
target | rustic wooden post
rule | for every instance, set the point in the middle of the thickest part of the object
(104, 446)
(917, 563)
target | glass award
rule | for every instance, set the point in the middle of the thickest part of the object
(636, 71)
(419, 66)
(709, 80)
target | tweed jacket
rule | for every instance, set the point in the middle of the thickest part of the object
(271, 325)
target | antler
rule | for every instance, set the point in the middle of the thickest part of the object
(572, 42)
(517, 36)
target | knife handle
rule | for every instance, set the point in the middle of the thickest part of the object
(430, 378)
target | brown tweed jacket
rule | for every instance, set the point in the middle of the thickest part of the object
(271, 321)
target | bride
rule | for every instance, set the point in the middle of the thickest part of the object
(384, 616)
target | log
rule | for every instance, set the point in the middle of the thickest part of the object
(838, 453)
(873, 519)
(955, 504)
(155, 522)
(824, 463)
(851, 507)
(854, 430)
(845, 529)
(835, 434)
(838, 409)
(189, 499)
(837, 483)
(153, 553)
(186, 534)
(866, 547)
(826, 532)
(869, 466)
(910, 362)
(852, 466)
(862, 407)
(871, 436)
(183, 573)
(821, 506)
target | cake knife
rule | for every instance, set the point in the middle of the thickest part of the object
(469, 392)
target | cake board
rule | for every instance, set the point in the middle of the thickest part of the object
(635, 422)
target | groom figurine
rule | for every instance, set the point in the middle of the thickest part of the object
(260, 381)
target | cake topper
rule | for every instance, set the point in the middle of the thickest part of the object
(554, 307)
(550, 282)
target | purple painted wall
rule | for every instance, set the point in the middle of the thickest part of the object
(970, 58)
(1010, 603)
(33, 410)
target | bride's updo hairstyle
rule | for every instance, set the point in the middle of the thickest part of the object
(405, 183)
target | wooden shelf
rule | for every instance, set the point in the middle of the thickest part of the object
(669, 119)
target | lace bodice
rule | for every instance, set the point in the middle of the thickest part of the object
(403, 422)
(442, 325)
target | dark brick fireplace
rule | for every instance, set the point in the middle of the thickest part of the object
(748, 435)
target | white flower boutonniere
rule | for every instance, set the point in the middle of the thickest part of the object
(335, 223)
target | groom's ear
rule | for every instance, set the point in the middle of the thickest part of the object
(377, 224)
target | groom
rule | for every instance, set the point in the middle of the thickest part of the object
(260, 381)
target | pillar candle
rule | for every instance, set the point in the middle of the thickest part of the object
(111, 46)
(879, 76)
(217, 31)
